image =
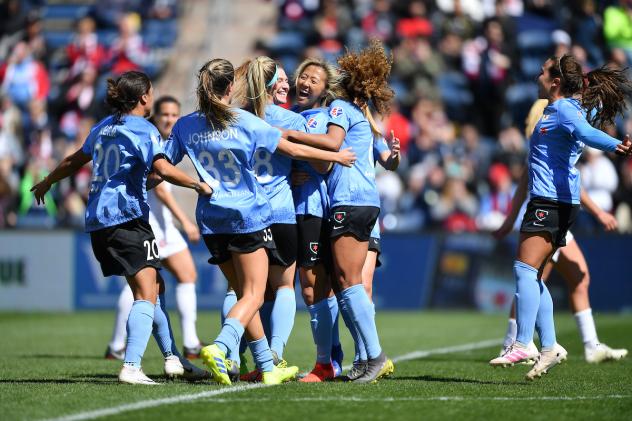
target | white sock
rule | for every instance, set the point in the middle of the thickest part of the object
(512, 332)
(586, 326)
(187, 308)
(125, 302)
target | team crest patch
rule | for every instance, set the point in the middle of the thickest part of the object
(339, 216)
(335, 112)
(541, 214)
(312, 123)
(313, 247)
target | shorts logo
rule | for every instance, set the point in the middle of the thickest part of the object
(541, 216)
(543, 130)
(339, 217)
(313, 247)
(312, 123)
(335, 112)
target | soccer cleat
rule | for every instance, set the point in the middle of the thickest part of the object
(215, 359)
(279, 362)
(319, 373)
(515, 354)
(279, 375)
(113, 354)
(376, 368)
(547, 360)
(389, 373)
(357, 370)
(603, 352)
(251, 377)
(193, 353)
(233, 370)
(532, 353)
(176, 367)
(337, 356)
(134, 375)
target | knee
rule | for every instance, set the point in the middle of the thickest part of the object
(308, 295)
(582, 286)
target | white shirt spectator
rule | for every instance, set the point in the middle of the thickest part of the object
(599, 178)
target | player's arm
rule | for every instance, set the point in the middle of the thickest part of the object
(330, 141)
(169, 173)
(165, 196)
(599, 140)
(66, 168)
(303, 152)
(516, 203)
(607, 220)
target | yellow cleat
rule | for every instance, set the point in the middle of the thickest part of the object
(279, 375)
(389, 368)
(215, 359)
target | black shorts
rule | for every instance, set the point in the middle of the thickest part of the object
(126, 248)
(355, 220)
(375, 245)
(313, 240)
(221, 246)
(556, 218)
(285, 237)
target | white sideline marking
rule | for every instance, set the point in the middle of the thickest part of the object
(427, 398)
(151, 403)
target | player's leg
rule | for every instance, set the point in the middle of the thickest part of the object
(116, 347)
(574, 269)
(181, 265)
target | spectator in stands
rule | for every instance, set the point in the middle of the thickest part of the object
(587, 31)
(109, 13)
(11, 151)
(160, 9)
(85, 50)
(128, 51)
(617, 27)
(379, 22)
(79, 102)
(496, 203)
(456, 207)
(623, 196)
(25, 78)
(34, 37)
(599, 180)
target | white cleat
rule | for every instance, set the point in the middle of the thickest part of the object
(176, 367)
(134, 375)
(603, 352)
(547, 360)
(514, 354)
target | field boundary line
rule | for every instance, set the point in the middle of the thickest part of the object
(152, 403)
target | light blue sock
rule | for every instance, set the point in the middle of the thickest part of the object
(332, 302)
(358, 343)
(527, 300)
(162, 329)
(544, 322)
(361, 311)
(230, 336)
(282, 319)
(139, 325)
(230, 299)
(265, 312)
(262, 354)
(321, 324)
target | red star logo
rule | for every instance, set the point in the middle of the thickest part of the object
(542, 130)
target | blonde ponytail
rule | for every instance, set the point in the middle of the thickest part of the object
(253, 84)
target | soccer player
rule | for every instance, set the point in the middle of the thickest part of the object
(353, 196)
(569, 261)
(124, 148)
(554, 187)
(221, 141)
(172, 248)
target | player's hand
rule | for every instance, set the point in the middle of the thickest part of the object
(346, 157)
(625, 147)
(608, 221)
(503, 231)
(299, 178)
(203, 189)
(394, 145)
(40, 190)
(192, 231)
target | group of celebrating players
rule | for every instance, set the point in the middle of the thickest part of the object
(281, 189)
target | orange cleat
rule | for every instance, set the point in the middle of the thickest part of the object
(320, 373)
(253, 376)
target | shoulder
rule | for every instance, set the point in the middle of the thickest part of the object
(339, 108)
(569, 109)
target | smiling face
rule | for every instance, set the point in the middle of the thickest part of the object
(167, 117)
(310, 87)
(280, 88)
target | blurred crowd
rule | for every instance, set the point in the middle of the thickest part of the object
(55, 59)
(464, 76)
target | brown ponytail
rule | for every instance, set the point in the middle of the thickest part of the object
(214, 78)
(124, 92)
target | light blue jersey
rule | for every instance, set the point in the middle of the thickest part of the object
(379, 146)
(354, 186)
(122, 157)
(311, 198)
(555, 146)
(223, 159)
(273, 170)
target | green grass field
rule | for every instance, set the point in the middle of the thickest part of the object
(51, 366)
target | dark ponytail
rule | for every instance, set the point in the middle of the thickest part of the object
(603, 91)
(124, 92)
